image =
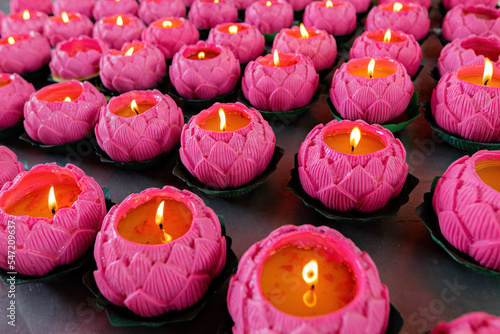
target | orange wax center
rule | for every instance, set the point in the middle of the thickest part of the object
(284, 60)
(139, 224)
(112, 19)
(225, 28)
(378, 36)
(15, 39)
(171, 22)
(383, 68)
(483, 47)
(36, 202)
(283, 284)
(206, 54)
(73, 47)
(331, 4)
(489, 172)
(390, 7)
(131, 111)
(475, 75)
(296, 32)
(60, 92)
(71, 16)
(235, 120)
(5, 80)
(341, 142)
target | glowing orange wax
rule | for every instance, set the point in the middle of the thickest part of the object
(117, 19)
(329, 3)
(35, 203)
(342, 142)
(395, 37)
(75, 46)
(230, 27)
(13, 39)
(278, 59)
(168, 23)
(482, 75)
(139, 225)
(60, 92)
(203, 54)
(396, 7)
(283, 282)
(4, 80)
(132, 109)
(234, 120)
(303, 32)
(489, 172)
(383, 68)
(61, 18)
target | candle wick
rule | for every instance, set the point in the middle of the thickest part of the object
(352, 148)
(486, 82)
(53, 211)
(136, 112)
(371, 76)
(161, 226)
(312, 287)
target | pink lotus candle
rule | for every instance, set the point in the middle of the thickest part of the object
(449, 4)
(23, 53)
(118, 29)
(314, 43)
(9, 165)
(269, 16)
(137, 65)
(24, 22)
(65, 26)
(63, 112)
(170, 34)
(280, 82)
(465, 102)
(152, 10)
(424, 3)
(407, 17)
(38, 5)
(158, 251)
(77, 58)
(307, 278)
(463, 21)
(227, 145)
(361, 167)
(204, 71)
(14, 92)
(244, 40)
(466, 199)
(56, 210)
(106, 8)
(375, 90)
(335, 17)
(391, 44)
(83, 7)
(139, 126)
(471, 50)
(474, 322)
(206, 14)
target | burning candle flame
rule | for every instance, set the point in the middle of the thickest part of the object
(11, 40)
(216, 1)
(119, 21)
(65, 17)
(129, 52)
(397, 7)
(67, 99)
(167, 24)
(233, 29)
(387, 36)
(134, 107)
(222, 117)
(201, 55)
(52, 200)
(355, 138)
(303, 31)
(488, 71)
(371, 68)
(268, 3)
(329, 4)
(310, 272)
(26, 15)
(276, 58)
(159, 221)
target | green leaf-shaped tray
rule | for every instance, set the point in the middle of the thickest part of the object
(427, 215)
(61, 272)
(61, 149)
(182, 173)
(123, 317)
(12, 132)
(455, 140)
(203, 104)
(391, 209)
(395, 125)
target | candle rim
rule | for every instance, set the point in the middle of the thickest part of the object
(138, 96)
(485, 156)
(6, 77)
(201, 47)
(480, 67)
(137, 45)
(127, 19)
(33, 12)
(491, 13)
(388, 6)
(293, 56)
(79, 41)
(482, 42)
(400, 34)
(226, 25)
(18, 38)
(71, 15)
(39, 95)
(361, 62)
(206, 113)
(310, 30)
(159, 22)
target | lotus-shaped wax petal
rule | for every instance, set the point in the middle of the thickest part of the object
(61, 122)
(340, 19)
(246, 45)
(178, 36)
(320, 47)
(362, 5)
(299, 4)
(41, 243)
(344, 182)
(374, 101)
(77, 58)
(407, 51)
(474, 322)
(105, 8)
(465, 109)
(463, 21)
(280, 88)
(13, 96)
(150, 11)
(79, 25)
(153, 279)
(115, 35)
(83, 7)
(9, 165)
(270, 19)
(144, 136)
(471, 50)
(2, 16)
(13, 24)
(29, 53)
(143, 69)
(242, 4)
(204, 79)
(206, 14)
(424, 3)
(467, 209)
(449, 4)
(40, 5)
(415, 20)
(227, 159)
(252, 313)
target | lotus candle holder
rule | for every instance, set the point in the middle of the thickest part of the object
(14, 92)
(462, 21)
(449, 4)
(340, 19)
(116, 35)
(83, 7)
(16, 24)
(105, 8)
(40, 5)
(474, 322)
(152, 10)
(9, 165)
(272, 18)
(41, 243)
(55, 30)
(206, 14)
(27, 53)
